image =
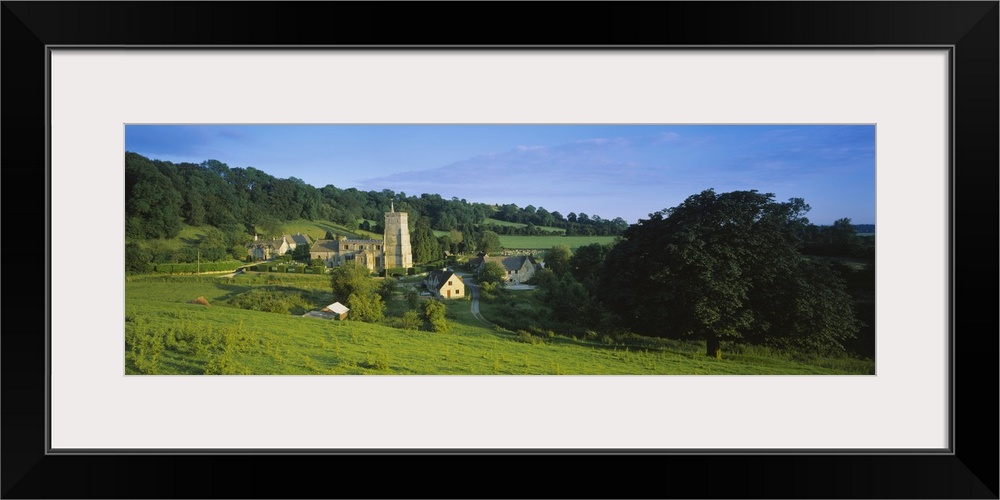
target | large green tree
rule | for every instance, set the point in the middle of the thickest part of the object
(489, 242)
(557, 259)
(352, 283)
(727, 267)
(349, 277)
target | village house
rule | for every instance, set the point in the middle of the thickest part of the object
(297, 239)
(267, 249)
(520, 268)
(445, 284)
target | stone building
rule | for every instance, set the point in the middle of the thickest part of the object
(397, 240)
(268, 249)
(339, 251)
(520, 268)
(390, 252)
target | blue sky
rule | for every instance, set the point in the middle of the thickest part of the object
(626, 171)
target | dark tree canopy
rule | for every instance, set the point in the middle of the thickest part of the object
(152, 204)
(489, 242)
(587, 264)
(557, 259)
(727, 267)
(423, 243)
(351, 277)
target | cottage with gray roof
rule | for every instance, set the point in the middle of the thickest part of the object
(445, 284)
(520, 268)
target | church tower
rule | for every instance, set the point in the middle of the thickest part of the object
(397, 240)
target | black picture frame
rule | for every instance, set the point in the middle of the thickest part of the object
(969, 471)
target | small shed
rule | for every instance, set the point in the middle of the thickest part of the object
(337, 309)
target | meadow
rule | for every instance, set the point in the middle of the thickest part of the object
(253, 326)
(547, 242)
(498, 222)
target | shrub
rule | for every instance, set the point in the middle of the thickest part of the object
(488, 291)
(528, 338)
(434, 311)
(273, 300)
(412, 298)
(144, 346)
(367, 308)
(411, 320)
(378, 361)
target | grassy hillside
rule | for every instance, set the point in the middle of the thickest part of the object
(165, 333)
(192, 235)
(317, 229)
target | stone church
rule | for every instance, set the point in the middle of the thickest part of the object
(393, 251)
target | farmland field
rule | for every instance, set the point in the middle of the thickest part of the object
(497, 222)
(167, 334)
(547, 242)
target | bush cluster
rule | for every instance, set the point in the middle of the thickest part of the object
(273, 300)
(192, 267)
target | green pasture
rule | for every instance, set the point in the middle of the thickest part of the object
(497, 222)
(167, 334)
(547, 242)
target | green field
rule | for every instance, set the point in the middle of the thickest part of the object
(547, 242)
(167, 334)
(497, 222)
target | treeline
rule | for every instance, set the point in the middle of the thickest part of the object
(840, 239)
(529, 230)
(160, 195)
(573, 223)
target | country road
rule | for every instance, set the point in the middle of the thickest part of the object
(475, 304)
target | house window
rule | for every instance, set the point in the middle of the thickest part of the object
(449, 283)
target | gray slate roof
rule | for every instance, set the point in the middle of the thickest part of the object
(509, 262)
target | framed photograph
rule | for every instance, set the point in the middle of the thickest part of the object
(915, 82)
